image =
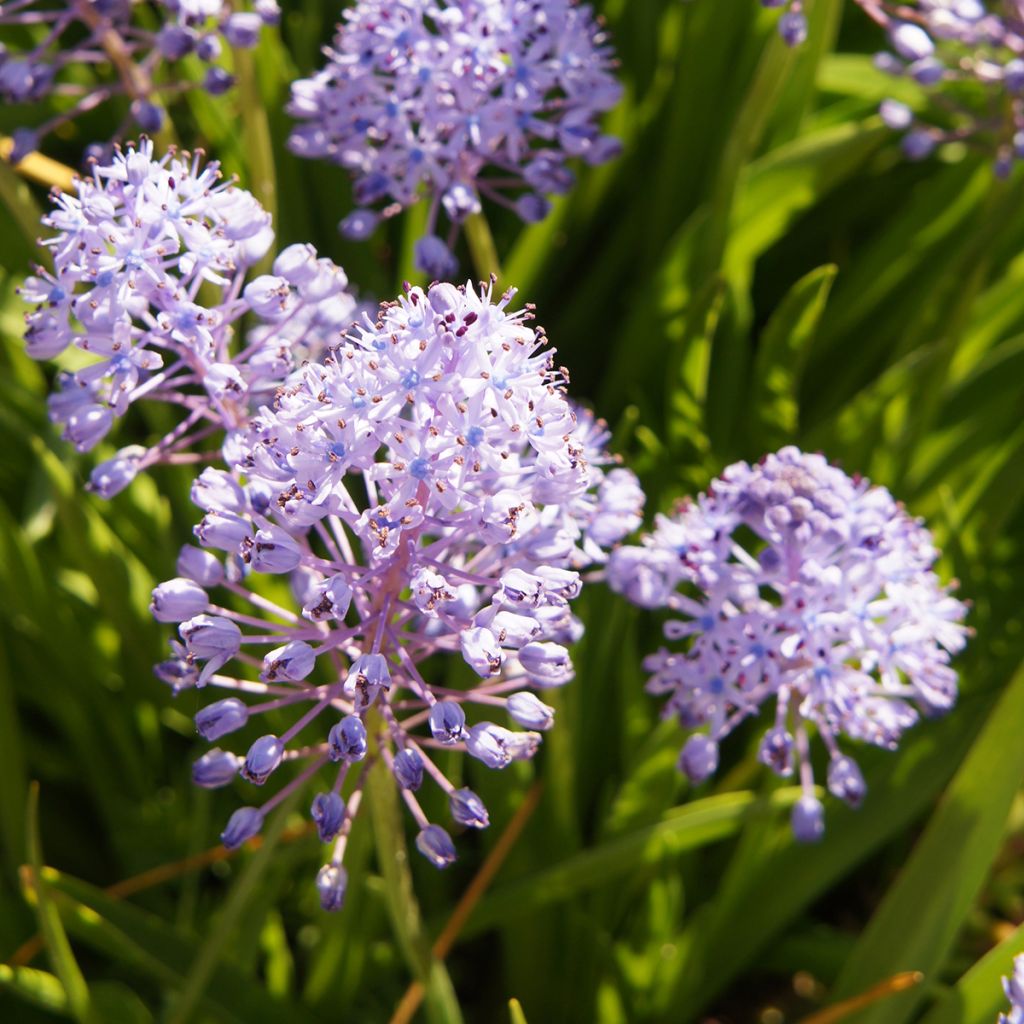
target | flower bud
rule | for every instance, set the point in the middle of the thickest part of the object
(468, 809)
(328, 813)
(263, 757)
(177, 600)
(242, 29)
(330, 600)
(113, 475)
(808, 820)
(434, 258)
(699, 758)
(242, 825)
(358, 225)
(845, 780)
(367, 677)
(274, 551)
(793, 28)
(776, 751)
(488, 742)
(408, 769)
(347, 740)
(201, 566)
(547, 664)
(223, 530)
(215, 768)
(436, 845)
(221, 717)
(481, 651)
(528, 710)
(447, 721)
(911, 41)
(331, 884)
(294, 662)
(213, 639)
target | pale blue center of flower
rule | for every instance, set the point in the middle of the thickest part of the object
(104, 278)
(57, 294)
(338, 449)
(134, 259)
(411, 379)
(716, 685)
(419, 468)
(475, 435)
(707, 622)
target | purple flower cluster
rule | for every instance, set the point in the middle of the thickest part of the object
(102, 34)
(457, 100)
(796, 586)
(1014, 989)
(969, 53)
(793, 23)
(150, 261)
(426, 489)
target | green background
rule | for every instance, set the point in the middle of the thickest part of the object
(760, 267)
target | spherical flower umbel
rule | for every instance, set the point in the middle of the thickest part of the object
(1014, 989)
(426, 492)
(151, 278)
(795, 586)
(457, 101)
(141, 52)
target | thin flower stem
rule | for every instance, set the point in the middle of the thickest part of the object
(842, 1011)
(406, 1009)
(40, 169)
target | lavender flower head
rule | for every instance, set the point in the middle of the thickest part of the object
(1014, 989)
(149, 282)
(457, 100)
(131, 60)
(426, 492)
(796, 586)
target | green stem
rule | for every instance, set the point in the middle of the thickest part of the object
(393, 858)
(217, 941)
(481, 246)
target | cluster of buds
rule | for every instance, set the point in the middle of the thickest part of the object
(458, 102)
(968, 54)
(128, 58)
(794, 585)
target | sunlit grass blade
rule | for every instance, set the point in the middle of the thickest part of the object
(55, 939)
(914, 926)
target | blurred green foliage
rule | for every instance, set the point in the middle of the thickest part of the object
(760, 267)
